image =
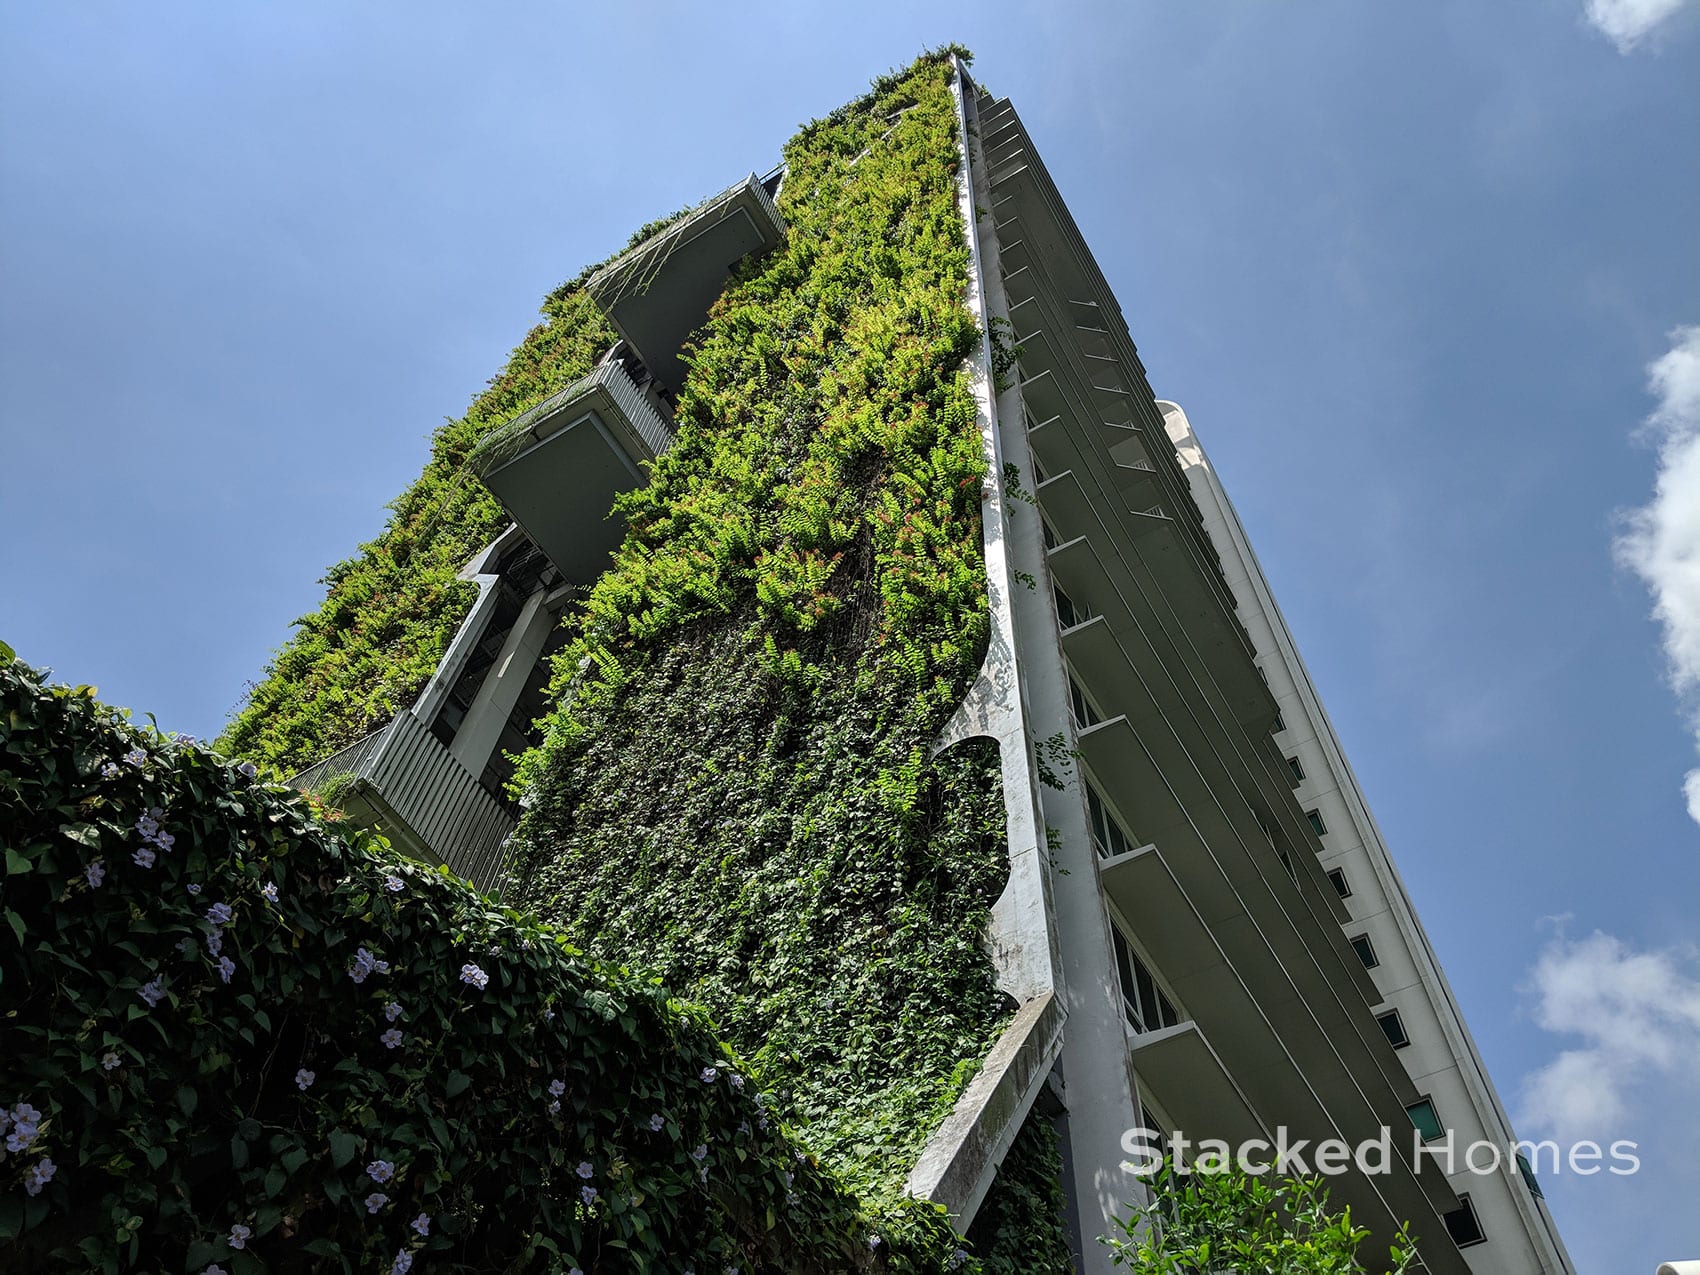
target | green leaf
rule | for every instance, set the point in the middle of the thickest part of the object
(15, 862)
(344, 1147)
(456, 1084)
(84, 834)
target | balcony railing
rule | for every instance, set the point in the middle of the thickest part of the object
(405, 783)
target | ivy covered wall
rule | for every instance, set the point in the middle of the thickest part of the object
(737, 793)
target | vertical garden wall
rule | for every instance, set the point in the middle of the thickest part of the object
(737, 793)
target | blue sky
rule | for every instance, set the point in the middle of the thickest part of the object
(1407, 268)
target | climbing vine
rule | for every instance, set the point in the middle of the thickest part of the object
(238, 1039)
(737, 790)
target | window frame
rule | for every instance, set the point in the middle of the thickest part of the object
(1393, 1016)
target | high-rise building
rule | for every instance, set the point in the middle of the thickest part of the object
(1199, 929)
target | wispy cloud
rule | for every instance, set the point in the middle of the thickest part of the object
(1637, 1014)
(1662, 539)
(1627, 23)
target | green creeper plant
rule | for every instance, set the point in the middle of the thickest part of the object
(236, 1037)
(1201, 1222)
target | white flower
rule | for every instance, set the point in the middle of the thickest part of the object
(268, 891)
(110, 1060)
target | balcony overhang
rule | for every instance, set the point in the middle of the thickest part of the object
(1184, 1072)
(659, 291)
(1280, 1071)
(557, 468)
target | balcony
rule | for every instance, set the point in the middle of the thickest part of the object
(406, 784)
(659, 292)
(557, 468)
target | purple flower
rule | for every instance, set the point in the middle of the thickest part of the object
(586, 1169)
(391, 1039)
(403, 1262)
(247, 770)
(392, 1011)
(41, 1173)
(708, 1075)
(153, 992)
(226, 968)
(394, 884)
(380, 1170)
(735, 1080)
(472, 976)
(376, 1201)
(148, 824)
(554, 1108)
(304, 1079)
(143, 857)
(193, 888)
(656, 1122)
(874, 1241)
(24, 1121)
(239, 1236)
(215, 1269)
(164, 840)
(215, 943)
(557, 1087)
(219, 914)
(109, 771)
(96, 873)
(364, 964)
(184, 741)
(268, 891)
(110, 1060)
(422, 1224)
(700, 1151)
(588, 1194)
(136, 757)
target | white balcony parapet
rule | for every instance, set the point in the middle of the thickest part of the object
(407, 785)
(658, 292)
(557, 467)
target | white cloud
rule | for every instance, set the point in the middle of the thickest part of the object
(1661, 542)
(1638, 1016)
(1626, 23)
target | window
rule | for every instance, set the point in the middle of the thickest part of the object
(1366, 951)
(1394, 1028)
(1528, 1172)
(1298, 770)
(1067, 614)
(1146, 1007)
(1425, 1119)
(1107, 832)
(1048, 532)
(1280, 723)
(1462, 1226)
(1084, 714)
(1287, 863)
(1316, 824)
(1039, 475)
(1337, 879)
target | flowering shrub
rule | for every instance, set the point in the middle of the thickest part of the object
(236, 1040)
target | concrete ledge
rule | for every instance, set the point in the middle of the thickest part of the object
(957, 1165)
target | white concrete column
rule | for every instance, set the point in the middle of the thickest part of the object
(480, 731)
